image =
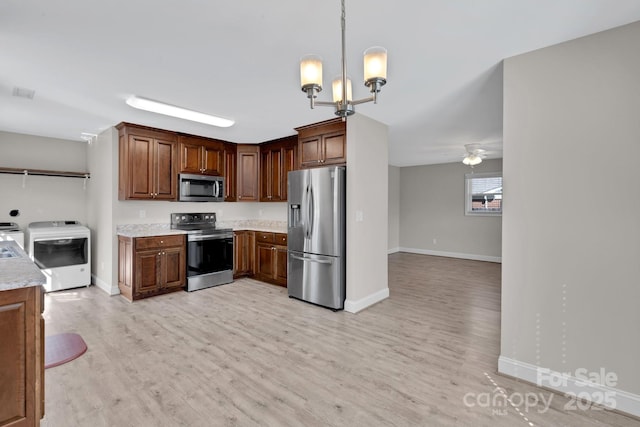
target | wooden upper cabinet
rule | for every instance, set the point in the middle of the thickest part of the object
(277, 159)
(248, 169)
(201, 155)
(148, 160)
(230, 168)
(322, 144)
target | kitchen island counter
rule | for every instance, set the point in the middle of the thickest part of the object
(17, 270)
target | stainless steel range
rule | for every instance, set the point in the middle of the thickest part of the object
(209, 250)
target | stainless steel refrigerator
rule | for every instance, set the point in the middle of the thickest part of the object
(316, 270)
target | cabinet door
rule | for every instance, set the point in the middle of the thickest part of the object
(280, 273)
(264, 261)
(275, 164)
(250, 253)
(165, 170)
(190, 158)
(173, 267)
(141, 167)
(265, 175)
(334, 149)
(147, 266)
(229, 173)
(238, 238)
(309, 150)
(247, 173)
(289, 163)
(271, 174)
(16, 351)
(212, 159)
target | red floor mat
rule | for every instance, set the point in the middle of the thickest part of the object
(62, 348)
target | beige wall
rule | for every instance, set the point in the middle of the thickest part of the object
(43, 198)
(432, 213)
(393, 245)
(571, 270)
(367, 193)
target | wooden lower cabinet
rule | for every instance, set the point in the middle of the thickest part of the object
(243, 256)
(22, 357)
(271, 257)
(149, 266)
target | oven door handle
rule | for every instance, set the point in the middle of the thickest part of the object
(201, 237)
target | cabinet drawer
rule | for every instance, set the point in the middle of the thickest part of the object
(159, 241)
(263, 237)
(281, 239)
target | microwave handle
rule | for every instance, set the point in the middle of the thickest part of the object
(216, 188)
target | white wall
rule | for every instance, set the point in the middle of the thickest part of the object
(43, 198)
(367, 194)
(393, 245)
(102, 158)
(432, 213)
(571, 229)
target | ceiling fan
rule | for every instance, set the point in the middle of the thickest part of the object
(474, 154)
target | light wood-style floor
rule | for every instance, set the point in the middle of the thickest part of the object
(245, 354)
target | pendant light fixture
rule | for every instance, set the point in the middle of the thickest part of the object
(375, 76)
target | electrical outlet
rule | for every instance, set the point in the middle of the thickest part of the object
(359, 216)
(260, 212)
(435, 241)
(143, 213)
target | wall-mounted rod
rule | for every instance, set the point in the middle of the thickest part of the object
(44, 172)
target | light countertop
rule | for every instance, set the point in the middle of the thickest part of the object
(149, 230)
(18, 271)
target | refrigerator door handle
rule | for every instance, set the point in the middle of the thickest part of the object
(319, 261)
(311, 211)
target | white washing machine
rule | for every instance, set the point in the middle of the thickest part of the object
(62, 251)
(11, 231)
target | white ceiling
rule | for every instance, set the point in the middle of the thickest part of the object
(239, 59)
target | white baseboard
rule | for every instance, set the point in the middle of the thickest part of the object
(369, 300)
(393, 250)
(101, 284)
(452, 254)
(603, 395)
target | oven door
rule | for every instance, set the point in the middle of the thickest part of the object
(209, 254)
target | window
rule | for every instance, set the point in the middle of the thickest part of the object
(483, 193)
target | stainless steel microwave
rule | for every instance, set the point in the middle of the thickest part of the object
(200, 188)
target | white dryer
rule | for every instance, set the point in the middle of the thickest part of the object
(62, 251)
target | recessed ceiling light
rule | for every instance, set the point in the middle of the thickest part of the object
(179, 112)
(22, 92)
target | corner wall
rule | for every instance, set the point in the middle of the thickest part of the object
(367, 212)
(571, 234)
(432, 213)
(393, 245)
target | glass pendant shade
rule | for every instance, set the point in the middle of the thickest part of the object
(375, 63)
(310, 71)
(337, 89)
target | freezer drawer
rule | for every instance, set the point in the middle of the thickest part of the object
(317, 279)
